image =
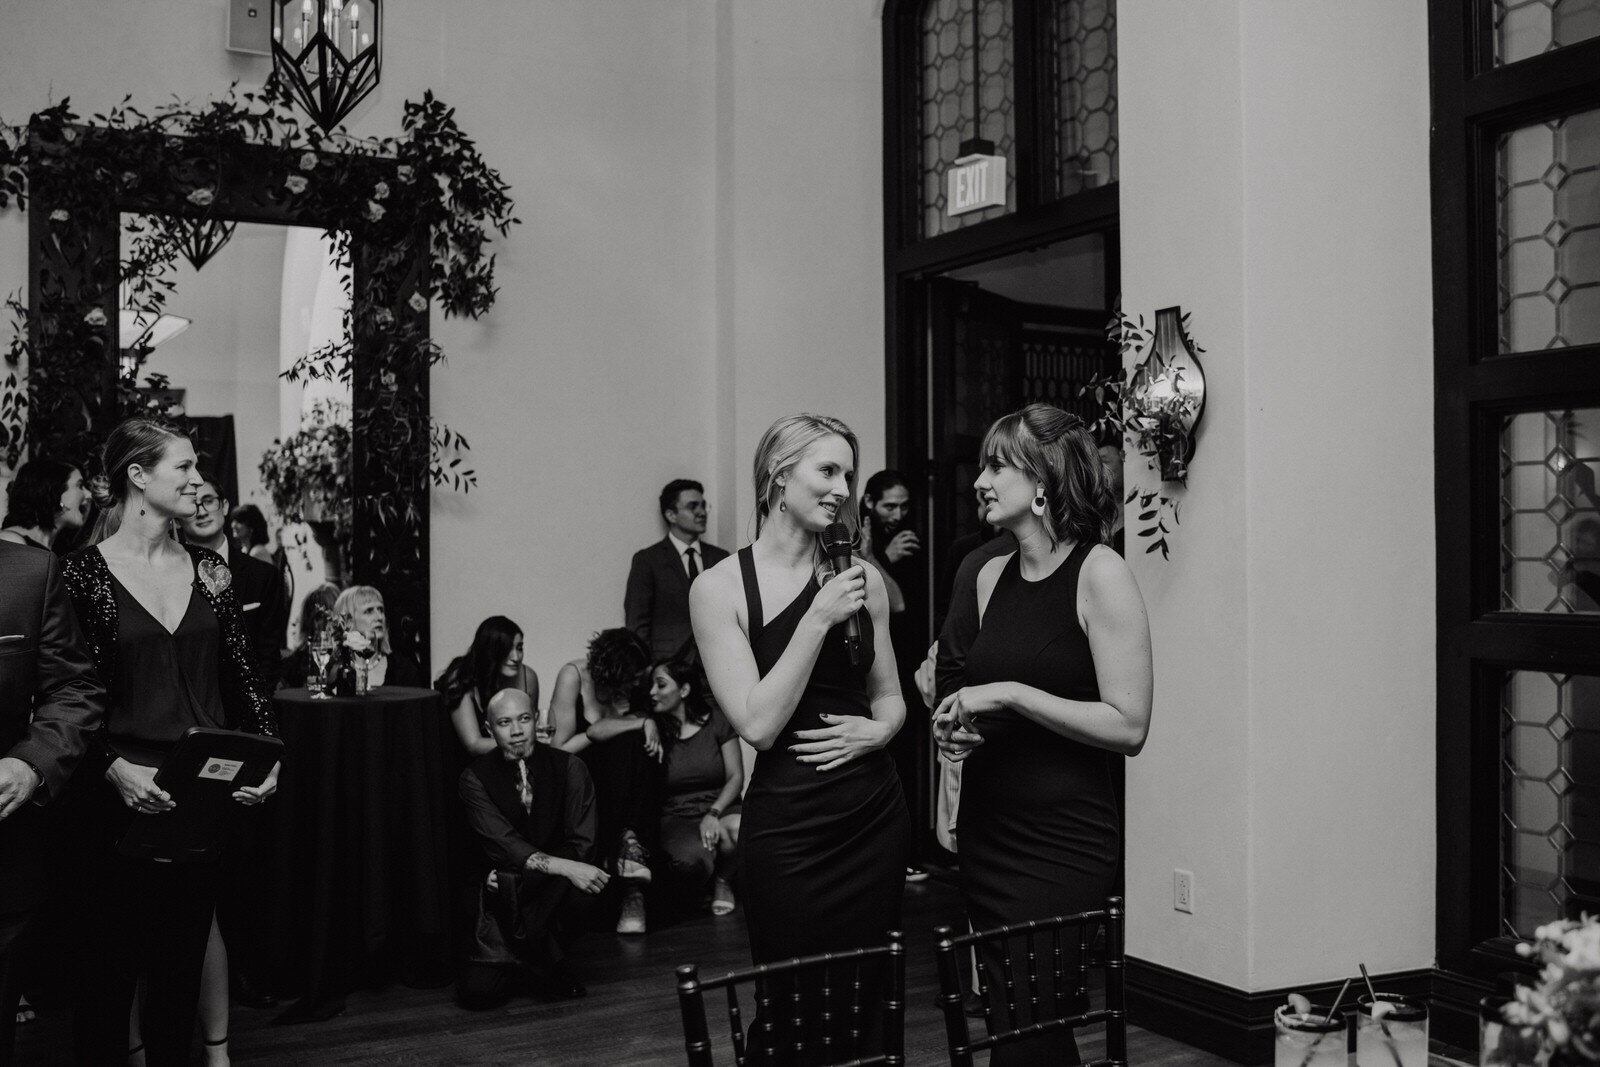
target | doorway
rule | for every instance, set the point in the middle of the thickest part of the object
(978, 340)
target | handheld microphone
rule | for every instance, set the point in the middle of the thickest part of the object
(836, 543)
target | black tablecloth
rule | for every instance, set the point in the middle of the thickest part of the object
(364, 820)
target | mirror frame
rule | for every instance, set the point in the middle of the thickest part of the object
(73, 265)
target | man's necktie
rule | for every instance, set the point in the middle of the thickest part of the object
(524, 787)
(694, 568)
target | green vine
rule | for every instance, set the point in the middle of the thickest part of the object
(1150, 427)
(429, 182)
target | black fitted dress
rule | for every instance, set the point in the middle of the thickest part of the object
(1038, 827)
(823, 852)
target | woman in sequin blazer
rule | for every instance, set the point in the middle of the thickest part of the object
(164, 630)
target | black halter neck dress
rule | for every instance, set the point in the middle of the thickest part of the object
(823, 852)
(1038, 829)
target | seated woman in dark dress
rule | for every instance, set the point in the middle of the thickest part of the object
(492, 663)
(704, 774)
(362, 606)
(599, 710)
(1056, 685)
(164, 629)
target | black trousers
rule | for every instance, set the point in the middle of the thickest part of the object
(132, 921)
(21, 887)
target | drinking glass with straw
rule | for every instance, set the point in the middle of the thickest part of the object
(1309, 1035)
(1391, 1030)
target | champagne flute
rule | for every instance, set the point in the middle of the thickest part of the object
(321, 652)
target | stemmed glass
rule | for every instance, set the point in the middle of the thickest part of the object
(321, 652)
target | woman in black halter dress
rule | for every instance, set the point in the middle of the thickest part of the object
(1057, 685)
(825, 832)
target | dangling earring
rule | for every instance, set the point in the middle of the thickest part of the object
(1039, 502)
(783, 503)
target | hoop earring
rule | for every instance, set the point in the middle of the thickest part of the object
(1039, 504)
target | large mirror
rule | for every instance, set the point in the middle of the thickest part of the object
(271, 293)
(221, 356)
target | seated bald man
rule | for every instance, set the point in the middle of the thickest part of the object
(532, 807)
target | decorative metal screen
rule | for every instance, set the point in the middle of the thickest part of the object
(1550, 795)
(1086, 85)
(1524, 28)
(947, 100)
(1549, 234)
(1055, 365)
(1550, 511)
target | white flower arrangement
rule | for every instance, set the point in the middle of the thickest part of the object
(1558, 1020)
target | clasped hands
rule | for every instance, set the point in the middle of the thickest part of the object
(846, 737)
(139, 791)
(956, 720)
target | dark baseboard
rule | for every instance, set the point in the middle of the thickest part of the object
(1238, 1025)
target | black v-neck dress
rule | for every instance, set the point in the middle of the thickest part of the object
(823, 852)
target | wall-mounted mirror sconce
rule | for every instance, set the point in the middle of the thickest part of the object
(1167, 395)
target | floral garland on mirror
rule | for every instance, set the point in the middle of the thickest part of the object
(430, 183)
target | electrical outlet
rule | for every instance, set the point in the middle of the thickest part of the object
(1183, 891)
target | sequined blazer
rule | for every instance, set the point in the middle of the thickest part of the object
(244, 696)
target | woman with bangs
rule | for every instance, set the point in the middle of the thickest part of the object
(825, 836)
(1056, 686)
(362, 606)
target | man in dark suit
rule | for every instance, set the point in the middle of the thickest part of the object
(656, 605)
(51, 704)
(259, 587)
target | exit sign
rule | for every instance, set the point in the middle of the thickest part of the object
(975, 182)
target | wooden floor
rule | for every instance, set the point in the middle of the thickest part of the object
(630, 1016)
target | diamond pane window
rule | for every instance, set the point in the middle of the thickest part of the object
(1550, 511)
(1550, 798)
(1524, 28)
(1548, 206)
(1086, 79)
(947, 100)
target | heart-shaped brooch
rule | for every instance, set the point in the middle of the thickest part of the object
(216, 576)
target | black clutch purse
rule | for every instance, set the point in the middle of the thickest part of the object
(201, 775)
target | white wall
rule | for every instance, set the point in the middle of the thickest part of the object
(1275, 184)
(699, 183)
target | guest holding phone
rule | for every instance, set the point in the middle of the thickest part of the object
(163, 628)
(1056, 685)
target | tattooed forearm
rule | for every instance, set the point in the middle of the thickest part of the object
(539, 862)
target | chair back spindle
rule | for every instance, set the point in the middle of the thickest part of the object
(1066, 1006)
(799, 1013)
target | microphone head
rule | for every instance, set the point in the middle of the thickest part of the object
(836, 540)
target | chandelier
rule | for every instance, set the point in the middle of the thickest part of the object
(327, 53)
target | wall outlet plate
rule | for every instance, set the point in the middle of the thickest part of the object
(1183, 891)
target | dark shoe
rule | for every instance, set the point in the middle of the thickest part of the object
(915, 875)
(972, 1005)
(247, 994)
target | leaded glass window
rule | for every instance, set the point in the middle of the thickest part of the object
(1548, 195)
(1524, 28)
(1550, 511)
(1550, 823)
(948, 100)
(1086, 83)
